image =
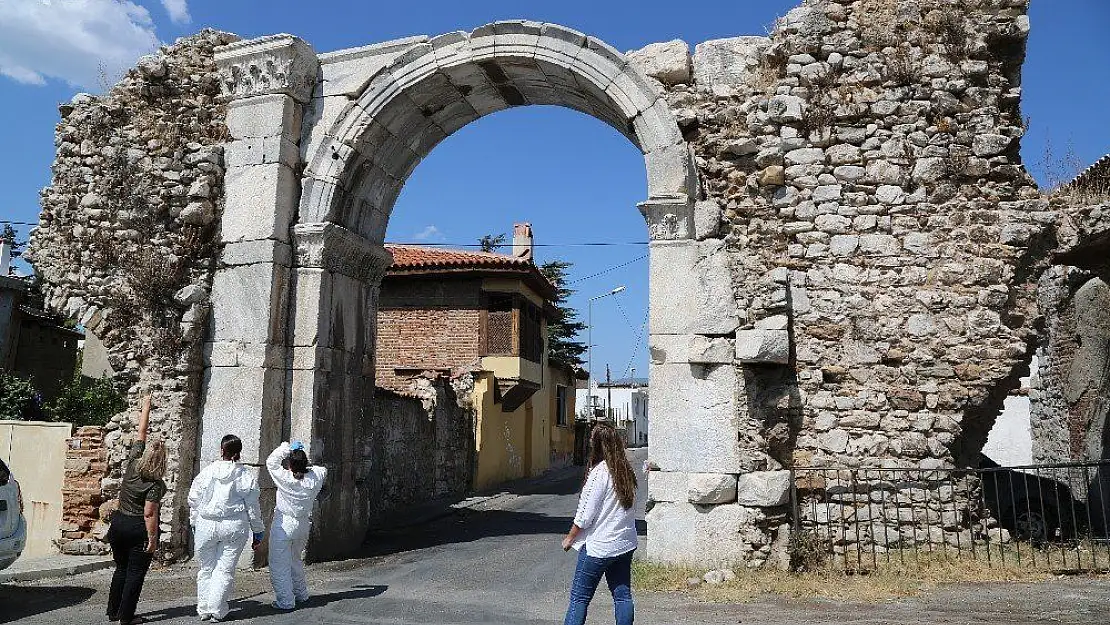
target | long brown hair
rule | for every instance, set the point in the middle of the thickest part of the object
(152, 464)
(606, 444)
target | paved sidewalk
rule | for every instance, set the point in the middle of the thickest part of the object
(47, 567)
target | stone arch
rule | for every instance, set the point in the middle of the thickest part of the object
(436, 87)
(295, 304)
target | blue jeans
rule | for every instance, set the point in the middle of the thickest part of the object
(587, 575)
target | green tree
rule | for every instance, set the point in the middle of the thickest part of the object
(492, 242)
(564, 328)
(9, 235)
(86, 401)
(18, 398)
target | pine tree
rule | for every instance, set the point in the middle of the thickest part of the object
(9, 235)
(564, 328)
(492, 242)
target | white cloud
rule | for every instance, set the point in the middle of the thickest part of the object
(72, 40)
(178, 10)
(429, 234)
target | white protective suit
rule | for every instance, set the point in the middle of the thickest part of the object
(289, 529)
(223, 507)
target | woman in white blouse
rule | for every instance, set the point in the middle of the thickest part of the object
(604, 530)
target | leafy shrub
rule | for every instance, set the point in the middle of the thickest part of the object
(86, 401)
(18, 398)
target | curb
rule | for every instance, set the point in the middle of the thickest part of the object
(55, 570)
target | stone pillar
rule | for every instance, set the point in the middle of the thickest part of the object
(333, 323)
(267, 82)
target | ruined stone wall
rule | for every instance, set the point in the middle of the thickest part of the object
(421, 449)
(125, 242)
(1069, 400)
(863, 164)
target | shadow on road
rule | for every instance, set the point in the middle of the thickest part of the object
(251, 608)
(18, 602)
(462, 526)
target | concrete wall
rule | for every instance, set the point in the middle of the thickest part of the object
(36, 453)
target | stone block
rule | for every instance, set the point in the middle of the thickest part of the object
(264, 116)
(701, 536)
(711, 488)
(667, 62)
(262, 151)
(705, 350)
(247, 402)
(248, 303)
(311, 324)
(694, 422)
(731, 62)
(259, 203)
(258, 251)
(707, 219)
(691, 288)
(764, 489)
(670, 171)
(667, 486)
(763, 346)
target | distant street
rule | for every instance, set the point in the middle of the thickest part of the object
(500, 563)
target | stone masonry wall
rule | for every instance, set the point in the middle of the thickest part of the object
(1068, 410)
(126, 245)
(862, 163)
(421, 448)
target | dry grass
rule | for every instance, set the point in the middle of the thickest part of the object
(890, 581)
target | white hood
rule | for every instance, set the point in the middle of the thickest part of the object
(225, 490)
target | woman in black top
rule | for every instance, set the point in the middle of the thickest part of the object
(133, 533)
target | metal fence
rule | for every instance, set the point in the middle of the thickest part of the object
(1051, 516)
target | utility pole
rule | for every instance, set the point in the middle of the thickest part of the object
(609, 400)
(590, 339)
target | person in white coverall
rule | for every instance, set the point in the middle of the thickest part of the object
(223, 509)
(297, 486)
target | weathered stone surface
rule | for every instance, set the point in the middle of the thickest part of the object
(707, 219)
(710, 351)
(763, 346)
(690, 290)
(763, 489)
(668, 62)
(693, 421)
(711, 488)
(667, 486)
(729, 62)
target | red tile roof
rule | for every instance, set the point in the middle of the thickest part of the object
(418, 257)
(409, 260)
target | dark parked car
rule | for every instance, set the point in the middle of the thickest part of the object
(1032, 507)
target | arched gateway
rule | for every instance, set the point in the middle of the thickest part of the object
(321, 147)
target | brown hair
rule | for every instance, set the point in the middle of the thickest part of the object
(152, 465)
(606, 445)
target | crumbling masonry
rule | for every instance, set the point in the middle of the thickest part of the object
(844, 250)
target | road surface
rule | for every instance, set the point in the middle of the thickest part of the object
(500, 563)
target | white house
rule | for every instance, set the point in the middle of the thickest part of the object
(624, 402)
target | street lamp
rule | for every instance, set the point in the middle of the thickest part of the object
(590, 338)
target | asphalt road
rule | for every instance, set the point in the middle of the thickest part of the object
(499, 562)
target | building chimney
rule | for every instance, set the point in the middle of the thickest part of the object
(5, 257)
(522, 241)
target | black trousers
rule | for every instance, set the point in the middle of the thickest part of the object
(128, 538)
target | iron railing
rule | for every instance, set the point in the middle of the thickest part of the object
(1051, 516)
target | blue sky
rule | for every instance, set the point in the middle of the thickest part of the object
(574, 178)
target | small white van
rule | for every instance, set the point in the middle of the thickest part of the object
(13, 527)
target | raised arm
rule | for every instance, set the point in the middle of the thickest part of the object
(144, 418)
(273, 463)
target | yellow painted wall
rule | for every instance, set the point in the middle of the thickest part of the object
(522, 443)
(36, 453)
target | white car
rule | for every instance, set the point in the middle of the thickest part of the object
(13, 528)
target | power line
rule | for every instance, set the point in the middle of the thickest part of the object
(18, 223)
(584, 244)
(605, 271)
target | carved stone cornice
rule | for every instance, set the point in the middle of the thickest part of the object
(267, 65)
(334, 248)
(668, 218)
